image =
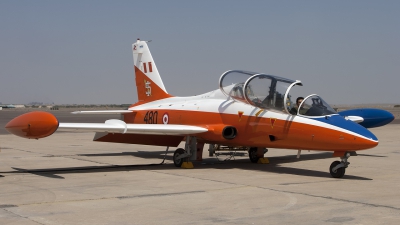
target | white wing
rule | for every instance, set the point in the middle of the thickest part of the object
(119, 126)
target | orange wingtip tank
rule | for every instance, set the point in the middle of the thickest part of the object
(33, 125)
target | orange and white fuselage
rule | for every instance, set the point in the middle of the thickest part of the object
(214, 111)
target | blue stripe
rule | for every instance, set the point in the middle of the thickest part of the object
(339, 121)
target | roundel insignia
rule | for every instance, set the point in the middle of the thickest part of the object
(165, 118)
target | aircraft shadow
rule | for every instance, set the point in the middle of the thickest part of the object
(378, 156)
(275, 165)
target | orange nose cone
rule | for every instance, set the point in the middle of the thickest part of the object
(33, 125)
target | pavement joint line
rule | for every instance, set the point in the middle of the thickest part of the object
(31, 152)
(293, 192)
(7, 206)
(61, 156)
(161, 194)
(107, 198)
(313, 182)
(25, 217)
(86, 160)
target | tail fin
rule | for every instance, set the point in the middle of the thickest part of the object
(148, 81)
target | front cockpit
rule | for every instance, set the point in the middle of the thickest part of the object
(270, 92)
(314, 105)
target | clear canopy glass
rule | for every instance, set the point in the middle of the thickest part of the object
(261, 90)
(314, 105)
(267, 91)
(232, 82)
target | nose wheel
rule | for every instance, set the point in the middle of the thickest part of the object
(338, 168)
(338, 172)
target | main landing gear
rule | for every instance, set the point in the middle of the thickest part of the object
(182, 156)
(256, 155)
(253, 155)
(338, 168)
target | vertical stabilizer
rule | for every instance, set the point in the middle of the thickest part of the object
(148, 81)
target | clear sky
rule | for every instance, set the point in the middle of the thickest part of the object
(80, 51)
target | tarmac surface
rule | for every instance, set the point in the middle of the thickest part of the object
(68, 179)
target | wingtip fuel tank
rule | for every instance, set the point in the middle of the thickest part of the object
(33, 125)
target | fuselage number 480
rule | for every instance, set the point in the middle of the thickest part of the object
(151, 117)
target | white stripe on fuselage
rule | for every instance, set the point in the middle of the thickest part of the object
(217, 102)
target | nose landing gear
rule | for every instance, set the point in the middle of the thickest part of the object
(338, 168)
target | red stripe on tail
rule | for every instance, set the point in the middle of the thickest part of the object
(144, 68)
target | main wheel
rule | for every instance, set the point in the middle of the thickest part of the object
(178, 152)
(339, 173)
(253, 155)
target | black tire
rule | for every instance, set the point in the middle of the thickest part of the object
(178, 152)
(339, 172)
(253, 155)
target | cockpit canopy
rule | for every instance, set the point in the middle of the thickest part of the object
(270, 92)
(260, 90)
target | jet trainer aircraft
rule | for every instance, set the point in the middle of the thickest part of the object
(249, 111)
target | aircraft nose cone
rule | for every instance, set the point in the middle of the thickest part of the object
(33, 125)
(363, 138)
(363, 143)
(353, 136)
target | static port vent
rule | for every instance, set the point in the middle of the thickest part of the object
(229, 132)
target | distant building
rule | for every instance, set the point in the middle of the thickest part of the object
(36, 103)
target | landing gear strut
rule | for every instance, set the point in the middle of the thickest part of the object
(338, 168)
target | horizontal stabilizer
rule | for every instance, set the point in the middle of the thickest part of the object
(119, 126)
